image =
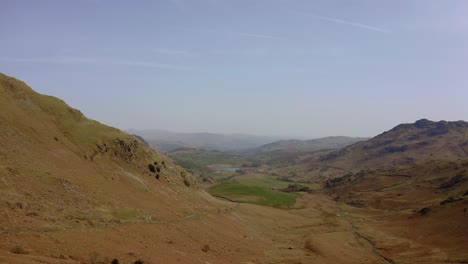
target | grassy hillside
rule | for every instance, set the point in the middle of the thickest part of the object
(61, 172)
(50, 123)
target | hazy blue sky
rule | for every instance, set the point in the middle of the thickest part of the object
(276, 67)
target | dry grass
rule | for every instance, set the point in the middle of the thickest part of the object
(18, 250)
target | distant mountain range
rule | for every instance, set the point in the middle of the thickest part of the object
(286, 152)
(294, 145)
(167, 141)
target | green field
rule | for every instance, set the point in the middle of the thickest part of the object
(253, 194)
(266, 182)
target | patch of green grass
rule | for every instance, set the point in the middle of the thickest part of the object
(265, 182)
(126, 215)
(253, 194)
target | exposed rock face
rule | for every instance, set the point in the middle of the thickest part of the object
(452, 182)
(357, 203)
(425, 123)
(450, 200)
(424, 211)
(296, 188)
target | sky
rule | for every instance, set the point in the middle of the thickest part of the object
(269, 67)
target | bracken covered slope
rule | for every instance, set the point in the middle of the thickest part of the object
(71, 187)
(55, 160)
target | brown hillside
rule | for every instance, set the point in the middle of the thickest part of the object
(410, 210)
(406, 144)
(73, 190)
(403, 146)
(54, 159)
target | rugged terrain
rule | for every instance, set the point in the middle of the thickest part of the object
(73, 190)
(405, 145)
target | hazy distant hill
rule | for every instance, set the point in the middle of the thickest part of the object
(294, 145)
(167, 141)
(287, 152)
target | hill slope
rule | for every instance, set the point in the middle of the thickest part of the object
(405, 145)
(49, 145)
(406, 190)
(73, 190)
(294, 145)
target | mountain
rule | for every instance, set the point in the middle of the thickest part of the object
(167, 141)
(404, 191)
(288, 152)
(73, 190)
(295, 145)
(404, 145)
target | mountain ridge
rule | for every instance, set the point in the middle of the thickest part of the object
(167, 141)
(403, 145)
(330, 142)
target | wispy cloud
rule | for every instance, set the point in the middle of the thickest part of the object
(97, 61)
(232, 33)
(174, 52)
(344, 22)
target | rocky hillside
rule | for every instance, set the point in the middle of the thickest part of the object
(73, 190)
(406, 144)
(403, 146)
(423, 204)
(295, 145)
(55, 162)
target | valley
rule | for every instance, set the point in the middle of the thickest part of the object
(410, 209)
(74, 190)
